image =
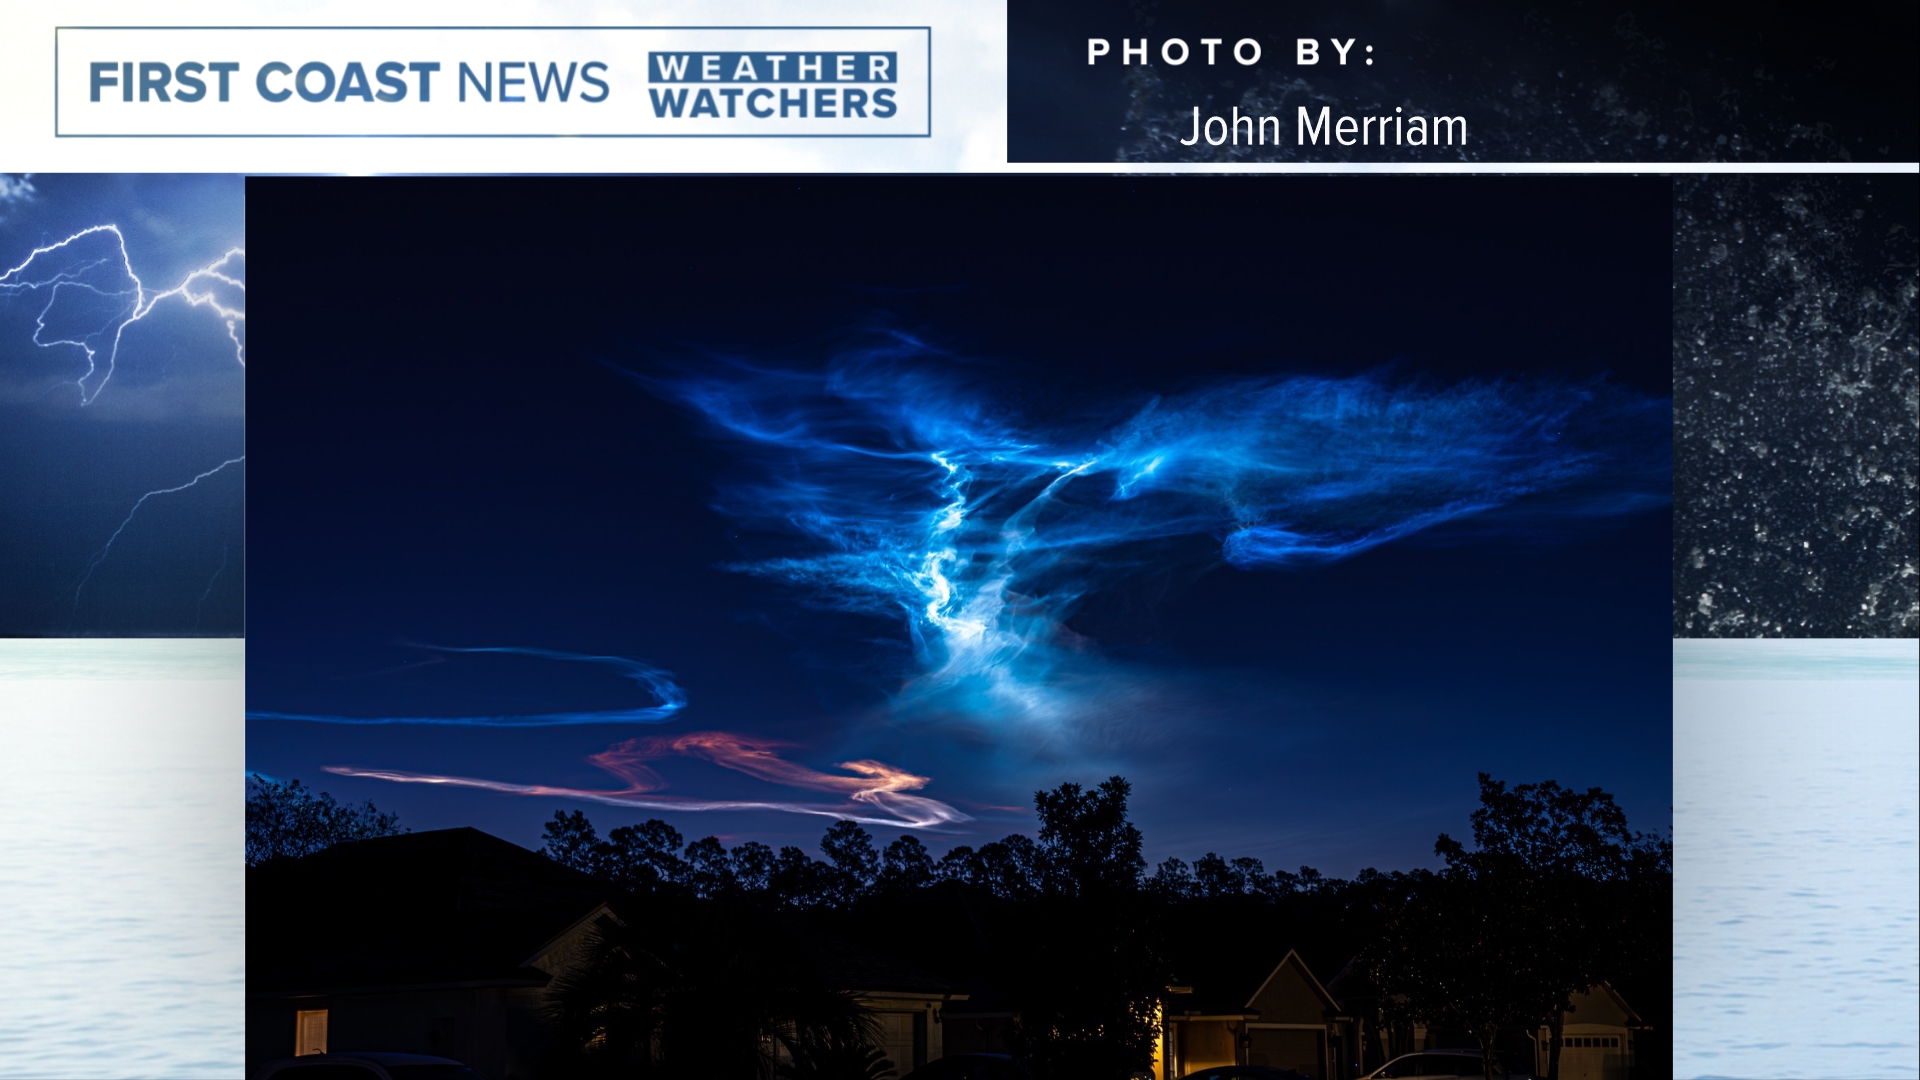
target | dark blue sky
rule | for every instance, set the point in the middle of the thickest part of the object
(121, 374)
(1295, 501)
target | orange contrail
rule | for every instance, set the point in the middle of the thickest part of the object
(757, 758)
(875, 794)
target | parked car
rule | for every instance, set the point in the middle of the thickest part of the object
(1247, 1073)
(365, 1065)
(1439, 1064)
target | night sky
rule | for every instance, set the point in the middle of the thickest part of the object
(122, 405)
(1295, 501)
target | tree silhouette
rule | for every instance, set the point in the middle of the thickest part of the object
(1090, 847)
(1555, 893)
(641, 858)
(1513, 929)
(834, 1052)
(572, 841)
(753, 864)
(644, 857)
(1012, 868)
(607, 1011)
(905, 865)
(849, 851)
(799, 880)
(1086, 979)
(679, 987)
(1566, 860)
(1453, 953)
(286, 820)
(709, 868)
(1172, 881)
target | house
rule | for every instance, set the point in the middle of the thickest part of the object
(1602, 1033)
(437, 942)
(446, 943)
(1599, 1036)
(1280, 1016)
(909, 1006)
(978, 1022)
(1291, 1020)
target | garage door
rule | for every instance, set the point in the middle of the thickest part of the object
(1593, 1057)
(1298, 1050)
(903, 1036)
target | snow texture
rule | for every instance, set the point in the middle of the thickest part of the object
(1796, 407)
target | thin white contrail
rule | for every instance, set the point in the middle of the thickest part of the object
(876, 793)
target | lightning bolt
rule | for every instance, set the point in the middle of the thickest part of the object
(101, 555)
(67, 266)
(200, 606)
(209, 278)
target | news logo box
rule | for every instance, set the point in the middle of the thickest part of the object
(582, 82)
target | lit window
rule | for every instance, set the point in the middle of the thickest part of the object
(309, 1032)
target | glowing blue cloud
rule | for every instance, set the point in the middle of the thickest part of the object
(667, 693)
(981, 526)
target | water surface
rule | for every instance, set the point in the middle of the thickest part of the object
(122, 900)
(1796, 771)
